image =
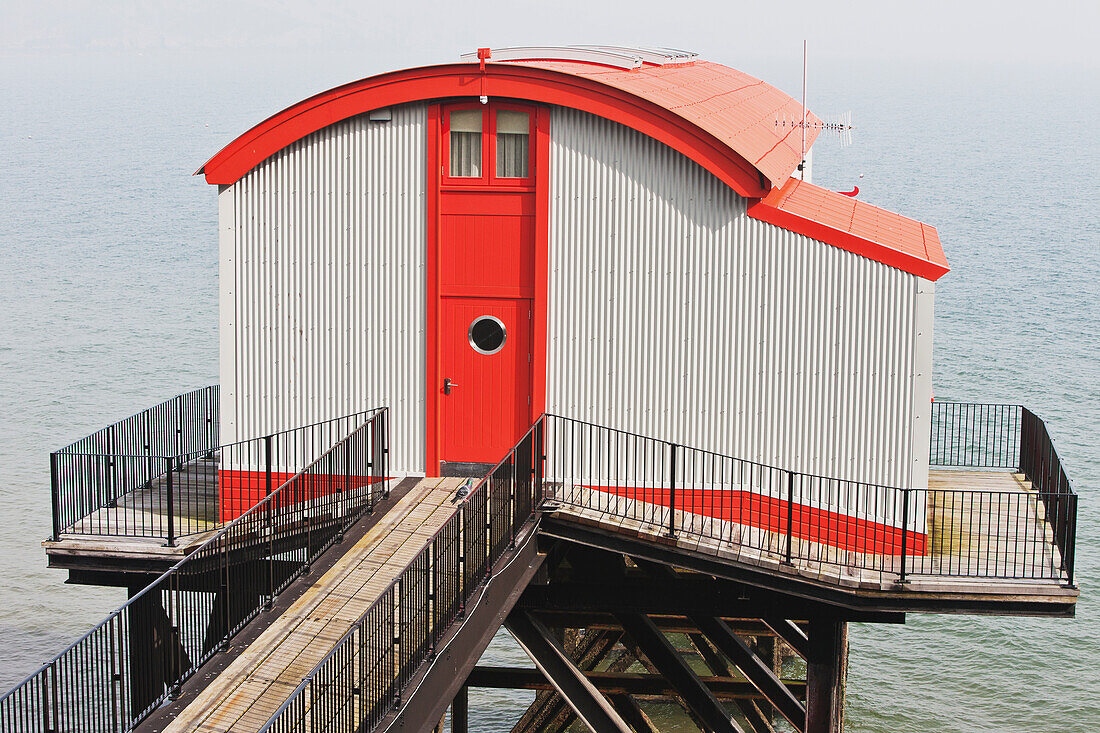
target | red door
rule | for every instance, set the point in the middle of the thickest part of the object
(480, 388)
(485, 359)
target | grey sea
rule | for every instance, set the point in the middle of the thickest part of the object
(108, 303)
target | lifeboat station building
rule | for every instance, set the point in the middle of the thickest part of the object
(559, 338)
(473, 245)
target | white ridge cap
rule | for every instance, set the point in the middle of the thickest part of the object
(623, 57)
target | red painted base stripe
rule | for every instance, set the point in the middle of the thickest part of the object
(242, 490)
(807, 523)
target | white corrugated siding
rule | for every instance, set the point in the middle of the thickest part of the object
(675, 315)
(323, 283)
(672, 313)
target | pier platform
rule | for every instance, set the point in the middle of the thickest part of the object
(996, 554)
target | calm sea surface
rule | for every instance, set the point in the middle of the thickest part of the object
(108, 304)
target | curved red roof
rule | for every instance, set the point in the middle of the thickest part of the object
(725, 120)
(735, 126)
(745, 113)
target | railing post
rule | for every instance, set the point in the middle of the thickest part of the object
(511, 512)
(1071, 539)
(267, 470)
(1025, 434)
(179, 426)
(433, 602)
(385, 452)
(347, 481)
(112, 479)
(269, 602)
(171, 503)
(904, 532)
(398, 592)
(540, 463)
(672, 490)
(55, 700)
(55, 497)
(789, 559)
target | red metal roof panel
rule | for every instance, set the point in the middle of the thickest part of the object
(853, 225)
(741, 111)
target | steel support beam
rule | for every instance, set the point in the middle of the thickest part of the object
(826, 669)
(759, 674)
(668, 624)
(615, 683)
(633, 714)
(695, 695)
(691, 596)
(1057, 603)
(791, 633)
(758, 721)
(548, 712)
(592, 708)
(460, 711)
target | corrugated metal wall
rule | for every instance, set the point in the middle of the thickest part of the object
(323, 283)
(672, 313)
(675, 315)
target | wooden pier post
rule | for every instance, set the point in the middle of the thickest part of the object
(460, 711)
(826, 672)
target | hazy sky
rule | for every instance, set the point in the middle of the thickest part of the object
(401, 32)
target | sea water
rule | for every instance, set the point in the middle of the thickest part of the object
(108, 304)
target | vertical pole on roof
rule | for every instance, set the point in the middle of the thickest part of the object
(802, 160)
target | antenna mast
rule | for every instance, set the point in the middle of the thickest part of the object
(840, 124)
(802, 160)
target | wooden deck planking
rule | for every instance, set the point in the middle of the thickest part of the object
(253, 686)
(978, 542)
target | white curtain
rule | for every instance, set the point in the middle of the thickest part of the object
(513, 144)
(465, 131)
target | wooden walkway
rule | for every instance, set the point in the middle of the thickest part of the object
(245, 695)
(1002, 542)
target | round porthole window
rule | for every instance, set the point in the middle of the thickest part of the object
(487, 335)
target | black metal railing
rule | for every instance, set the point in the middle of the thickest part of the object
(126, 480)
(116, 674)
(128, 462)
(760, 511)
(363, 677)
(969, 435)
(1040, 463)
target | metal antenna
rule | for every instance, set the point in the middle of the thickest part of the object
(802, 159)
(841, 124)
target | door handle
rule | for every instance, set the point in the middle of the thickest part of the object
(447, 385)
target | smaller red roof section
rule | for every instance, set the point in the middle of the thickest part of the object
(855, 226)
(750, 116)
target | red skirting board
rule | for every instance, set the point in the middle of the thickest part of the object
(808, 523)
(242, 490)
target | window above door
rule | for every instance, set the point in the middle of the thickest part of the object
(488, 144)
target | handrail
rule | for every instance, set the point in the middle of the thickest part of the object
(362, 677)
(140, 488)
(192, 419)
(129, 461)
(207, 596)
(793, 516)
